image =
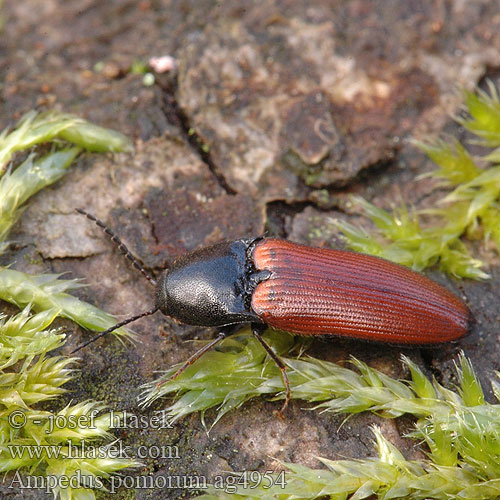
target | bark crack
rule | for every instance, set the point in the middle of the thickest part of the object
(179, 118)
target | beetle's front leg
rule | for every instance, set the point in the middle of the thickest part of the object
(222, 335)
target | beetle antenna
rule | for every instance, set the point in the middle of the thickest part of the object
(113, 328)
(121, 246)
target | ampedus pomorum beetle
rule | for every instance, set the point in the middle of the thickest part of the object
(303, 290)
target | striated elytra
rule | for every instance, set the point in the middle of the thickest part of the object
(316, 291)
(303, 290)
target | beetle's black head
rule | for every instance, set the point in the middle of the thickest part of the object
(208, 287)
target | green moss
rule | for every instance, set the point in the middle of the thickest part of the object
(40, 441)
(139, 67)
(470, 210)
(18, 184)
(225, 377)
(461, 431)
(47, 291)
(108, 386)
(37, 128)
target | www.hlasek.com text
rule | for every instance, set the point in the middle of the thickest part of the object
(117, 449)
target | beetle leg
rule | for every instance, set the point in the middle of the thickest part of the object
(257, 330)
(194, 357)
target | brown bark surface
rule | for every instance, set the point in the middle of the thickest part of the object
(276, 111)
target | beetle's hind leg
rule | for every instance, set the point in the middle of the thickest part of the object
(257, 329)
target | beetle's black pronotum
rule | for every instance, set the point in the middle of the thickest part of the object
(303, 290)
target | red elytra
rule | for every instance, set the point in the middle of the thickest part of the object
(318, 291)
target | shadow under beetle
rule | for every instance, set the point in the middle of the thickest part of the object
(302, 290)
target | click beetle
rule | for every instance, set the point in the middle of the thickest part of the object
(302, 290)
